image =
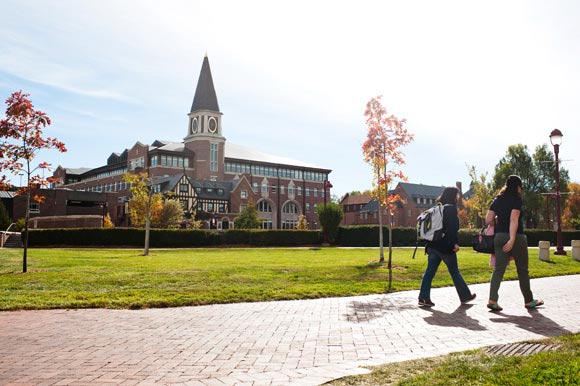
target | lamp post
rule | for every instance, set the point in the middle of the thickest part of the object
(556, 140)
(327, 185)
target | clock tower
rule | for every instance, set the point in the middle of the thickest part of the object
(204, 130)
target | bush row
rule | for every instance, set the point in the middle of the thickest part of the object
(350, 236)
(165, 238)
(368, 236)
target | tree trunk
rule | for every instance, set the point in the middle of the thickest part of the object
(147, 226)
(390, 250)
(381, 252)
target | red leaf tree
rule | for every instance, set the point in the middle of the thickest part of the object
(382, 149)
(21, 139)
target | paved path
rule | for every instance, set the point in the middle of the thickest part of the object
(306, 342)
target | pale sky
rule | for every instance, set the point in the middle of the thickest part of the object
(293, 78)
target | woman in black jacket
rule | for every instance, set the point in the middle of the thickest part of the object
(445, 249)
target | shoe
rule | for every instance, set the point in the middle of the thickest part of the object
(494, 307)
(534, 303)
(425, 303)
(468, 299)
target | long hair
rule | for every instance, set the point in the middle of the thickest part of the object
(511, 187)
(448, 196)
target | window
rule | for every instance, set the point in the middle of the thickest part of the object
(264, 206)
(274, 187)
(244, 194)
(307, 207)
(307, 192)
(290, 208)
(183, 188)
(210, 207)
(290, 190)
(255, 187)
(222, 208)
(315, 192)
(184, 204)
(213, 157)
(34, 207)
(300, 190)
(282, 189)
(220, 192)
(266, 224)
(264, 187)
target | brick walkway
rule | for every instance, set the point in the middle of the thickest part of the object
(306, 342)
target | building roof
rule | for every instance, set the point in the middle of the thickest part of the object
(210, 189)
(420, 190)
(356, 199)
(205, 97)
(7, 194)
(238, 152)
(77, 171)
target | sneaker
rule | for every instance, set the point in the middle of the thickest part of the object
(468, 299)
(425, 303)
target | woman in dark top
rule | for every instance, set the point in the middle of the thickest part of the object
(509, 240)
(445, 249)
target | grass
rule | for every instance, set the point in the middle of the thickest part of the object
(121, 278)
(561, 367)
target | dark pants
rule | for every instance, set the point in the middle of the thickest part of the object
(520, 254)
(435, 258)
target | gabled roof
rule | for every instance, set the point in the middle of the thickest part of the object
(205, 97)
(356, 199)
(420, 190)
(167, 184)
(209, 189)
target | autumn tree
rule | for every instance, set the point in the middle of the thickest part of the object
(538, 174)
(145, 206)
(571, 215)
(482, 194)
(21, 140)
(171, 214)
(382, 149)
(302, 223)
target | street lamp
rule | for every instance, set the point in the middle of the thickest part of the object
(556, 140)
(327, 185)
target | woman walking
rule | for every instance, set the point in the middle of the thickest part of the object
(445, 249)
(510, 240)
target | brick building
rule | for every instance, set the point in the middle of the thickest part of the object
(209, 175)
(361, 209)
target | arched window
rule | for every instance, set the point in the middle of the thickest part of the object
(264, 206)
(290, 208)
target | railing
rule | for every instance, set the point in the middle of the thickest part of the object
(4, 235)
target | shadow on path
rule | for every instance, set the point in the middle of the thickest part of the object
(365, 311)
(535, 322)
(457, 318)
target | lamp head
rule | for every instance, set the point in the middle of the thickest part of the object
(556, 137)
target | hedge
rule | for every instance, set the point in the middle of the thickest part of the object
(170, 238)
(368, 236)
(349, 236)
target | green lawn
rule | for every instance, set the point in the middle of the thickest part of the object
(561, 368)
(122, 278)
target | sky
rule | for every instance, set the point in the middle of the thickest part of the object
(293, 78)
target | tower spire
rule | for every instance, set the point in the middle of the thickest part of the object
(205, 97)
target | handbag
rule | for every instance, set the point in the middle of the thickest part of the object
(483, 243)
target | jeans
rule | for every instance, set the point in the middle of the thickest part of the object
(434, 259)
(520, 253)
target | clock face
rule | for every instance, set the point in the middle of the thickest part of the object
(212, 125)
(194, 125)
